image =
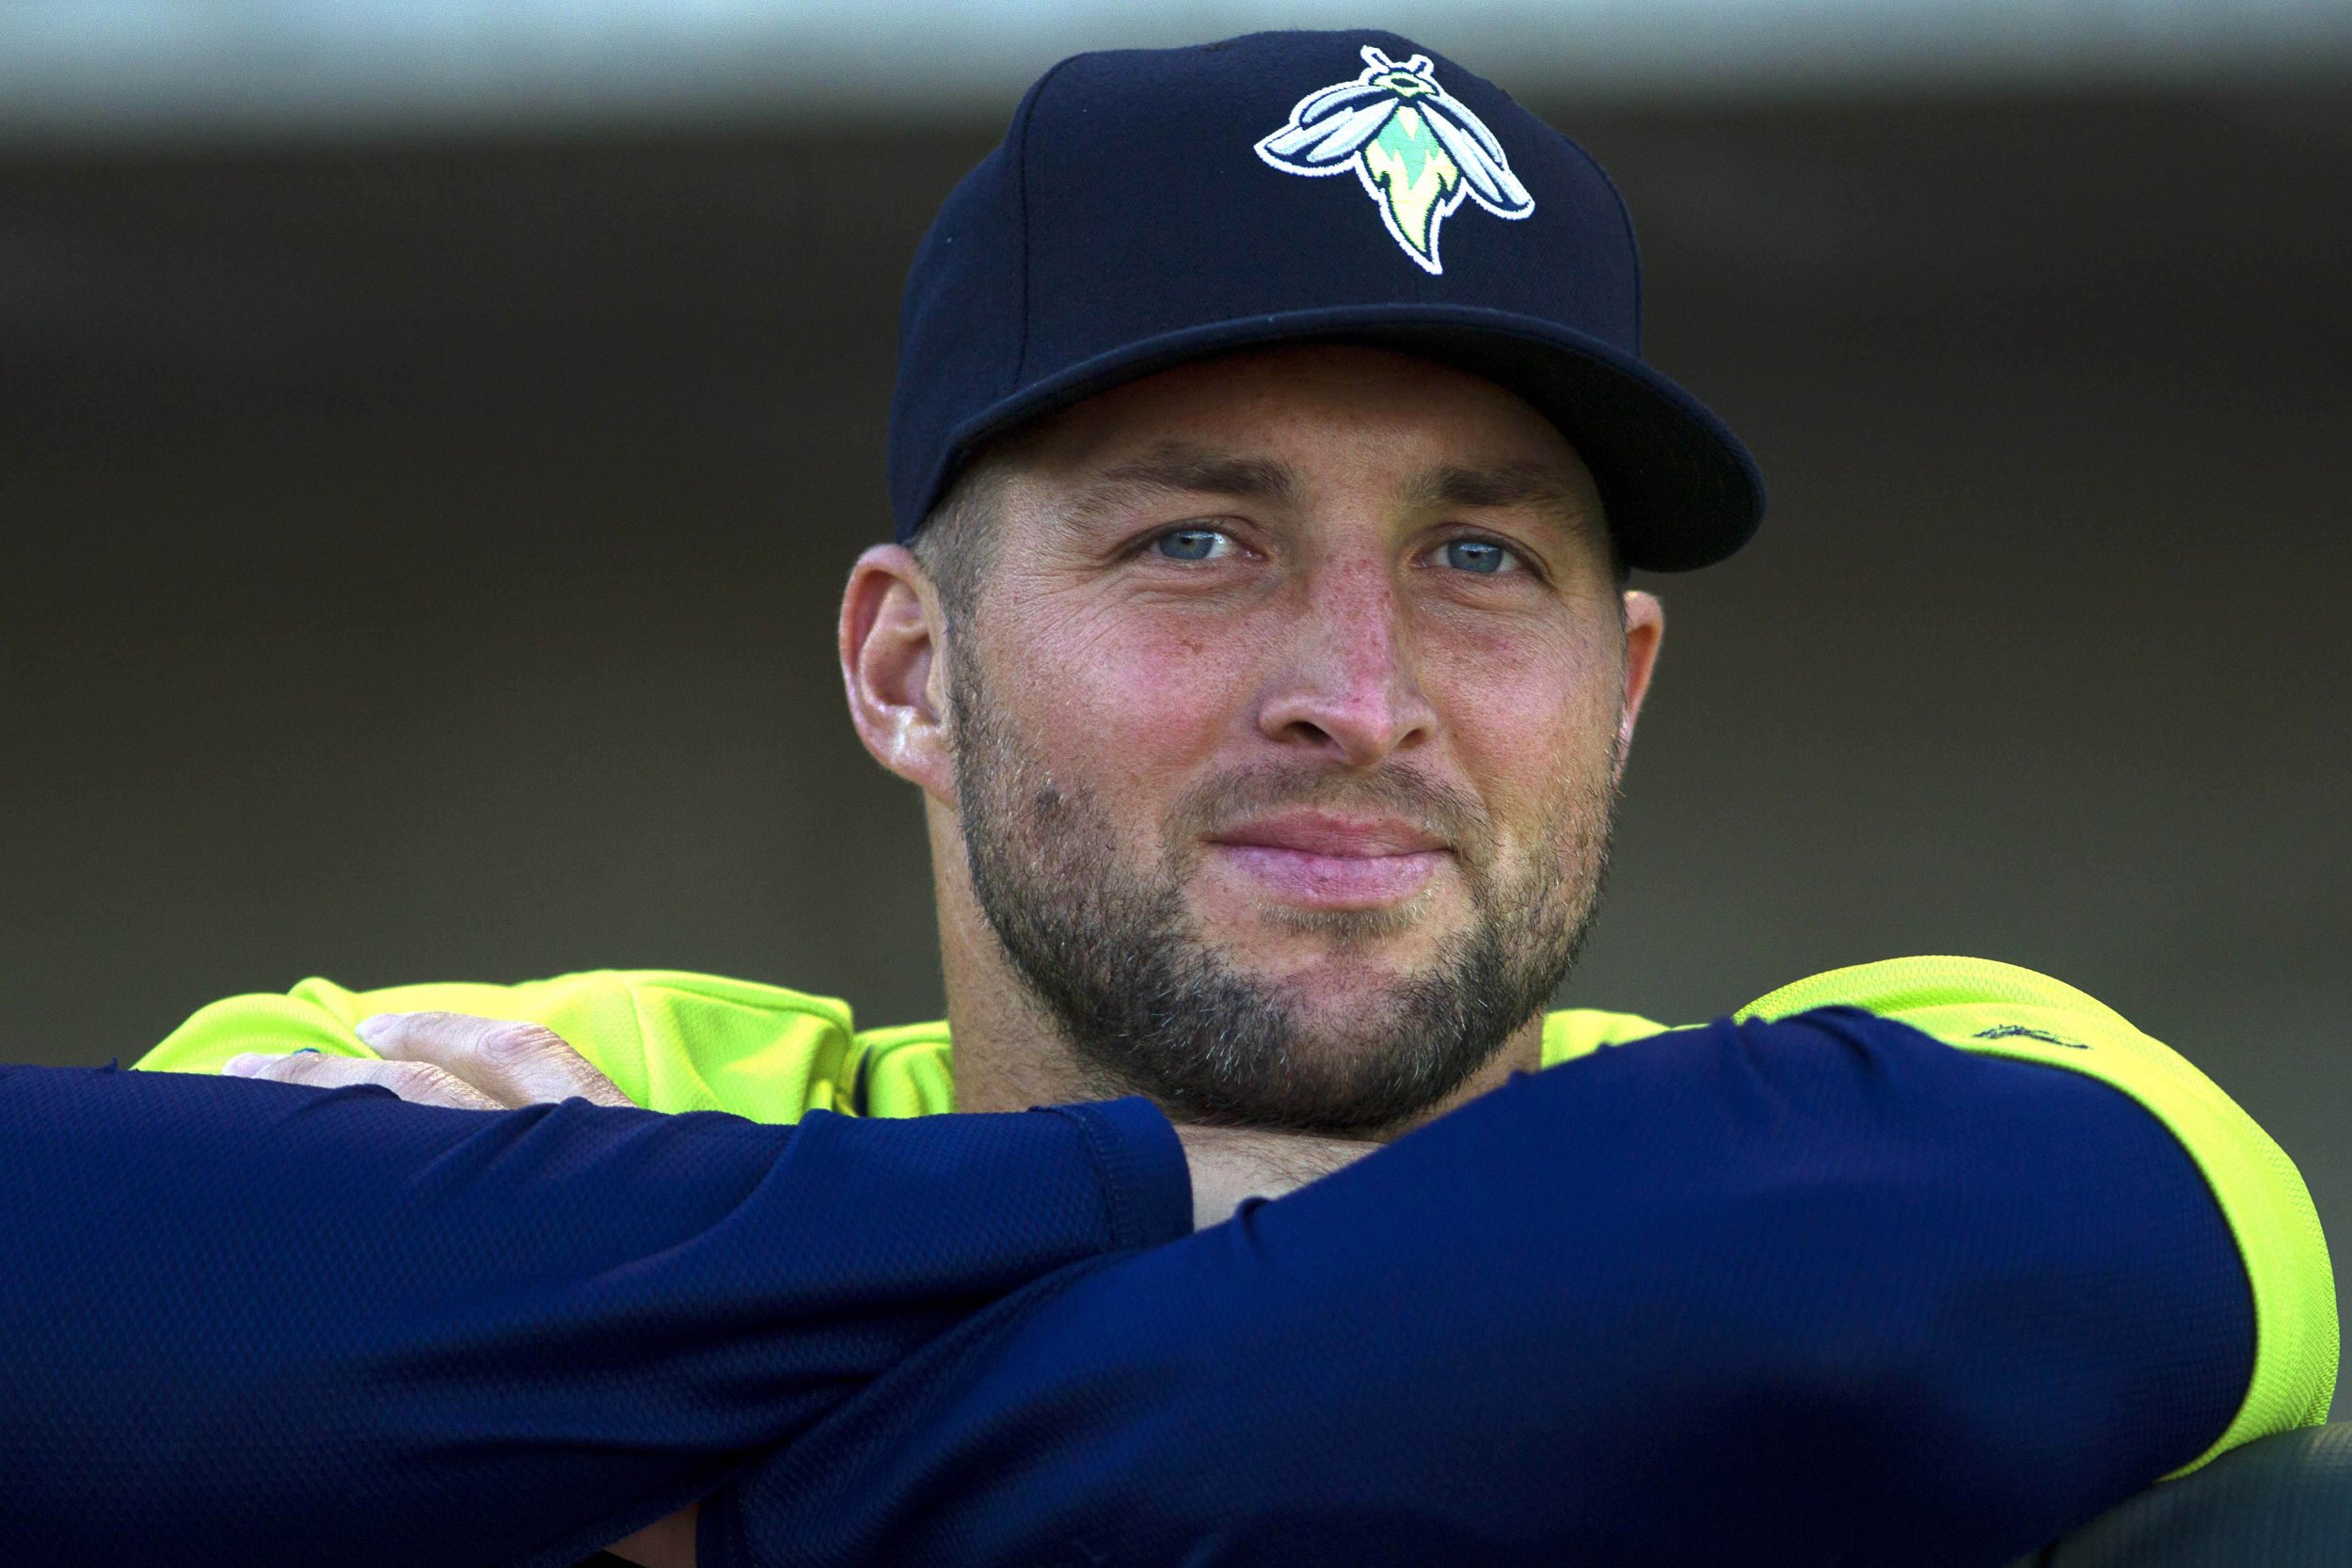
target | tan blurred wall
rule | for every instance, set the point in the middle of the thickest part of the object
(420, 563)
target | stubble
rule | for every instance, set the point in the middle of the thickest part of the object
(1150, 1006)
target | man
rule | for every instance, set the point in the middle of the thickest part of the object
(1259, 637)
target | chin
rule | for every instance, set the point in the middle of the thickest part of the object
(1345, 996)
(1298, 937)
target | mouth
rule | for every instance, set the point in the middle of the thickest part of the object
(1328, 861)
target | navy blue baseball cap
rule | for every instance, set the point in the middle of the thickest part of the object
(1149, 207)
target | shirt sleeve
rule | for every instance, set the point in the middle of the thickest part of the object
(1999, 1009)
(1775, 1292)
(669, 1040)
(253, 1323)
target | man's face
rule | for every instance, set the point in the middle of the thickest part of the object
(1287, 722)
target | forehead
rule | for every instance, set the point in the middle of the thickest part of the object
(1329, 412)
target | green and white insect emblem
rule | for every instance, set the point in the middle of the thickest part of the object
(1417, 149)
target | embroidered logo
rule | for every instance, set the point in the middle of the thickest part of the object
(2019, 1032)
(1418, 150)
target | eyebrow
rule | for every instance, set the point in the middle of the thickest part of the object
(1536, 485)
(1174, 468)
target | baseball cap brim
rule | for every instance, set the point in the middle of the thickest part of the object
(1678, 489)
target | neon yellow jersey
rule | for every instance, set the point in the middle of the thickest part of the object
(677, 1041)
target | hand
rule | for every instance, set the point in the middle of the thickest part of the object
(1231, 1163)
(476, 1064)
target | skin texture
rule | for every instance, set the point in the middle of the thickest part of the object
(1330, 749)
(1328, 658)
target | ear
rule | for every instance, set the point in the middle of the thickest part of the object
(1644, 628)
(891, 662)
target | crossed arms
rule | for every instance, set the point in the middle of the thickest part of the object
(1813, 1290)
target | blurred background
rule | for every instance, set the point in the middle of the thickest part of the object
(433, 437)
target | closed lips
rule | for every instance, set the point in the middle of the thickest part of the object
(1314, 834)
(1332, 863)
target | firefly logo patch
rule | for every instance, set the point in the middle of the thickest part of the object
(1418, 150)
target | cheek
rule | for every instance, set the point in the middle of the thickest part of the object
(1531, 717)
(1123, 700)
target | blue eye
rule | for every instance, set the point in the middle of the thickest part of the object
(1188, 544)
(1476, 555)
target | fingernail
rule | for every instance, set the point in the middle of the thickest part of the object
(367, 1028)
(306, 1050)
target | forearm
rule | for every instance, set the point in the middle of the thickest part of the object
(1820, 1290)
(251, 1323)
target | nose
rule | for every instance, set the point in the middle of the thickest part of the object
(1346, 685)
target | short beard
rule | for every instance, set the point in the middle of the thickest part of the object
(1149, 1008)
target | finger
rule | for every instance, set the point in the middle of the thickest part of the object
(418, 1081)
(514, 1064)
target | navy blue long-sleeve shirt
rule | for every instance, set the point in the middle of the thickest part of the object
(1824, 1291)
(248, 1323)
(1818, 1291)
